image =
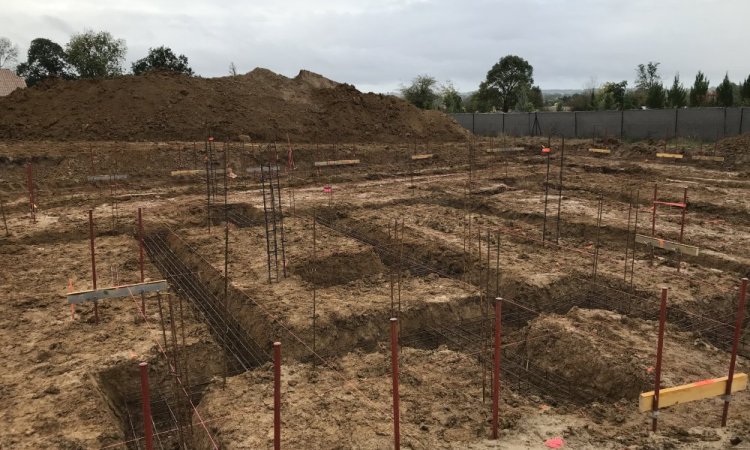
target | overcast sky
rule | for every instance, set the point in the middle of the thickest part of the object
(378, 45)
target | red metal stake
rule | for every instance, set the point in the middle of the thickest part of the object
(496, 368)
(394, 372)
(277, 395)
(659, 349)
(735, 342)
(146, 400)
(93, 261)
(140, 244)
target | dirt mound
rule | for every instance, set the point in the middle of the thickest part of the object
(735, 149)
(261, 104)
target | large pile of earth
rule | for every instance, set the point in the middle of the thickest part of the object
(261, 104)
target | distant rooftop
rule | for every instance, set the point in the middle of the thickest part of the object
(9, 82)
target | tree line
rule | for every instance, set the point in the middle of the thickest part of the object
(87, 55)
(509, 85)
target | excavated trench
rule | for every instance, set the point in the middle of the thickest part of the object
(171, 412)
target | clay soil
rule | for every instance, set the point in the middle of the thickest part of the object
(578, 347)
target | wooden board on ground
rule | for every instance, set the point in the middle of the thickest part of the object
(106, 177)
(338, 162)
(700, 390)
(117, 291)
(187, 173)
(707, 158)
(670, 155)
(605, 151)
(667, 245)
(505, 149)
(422, 156)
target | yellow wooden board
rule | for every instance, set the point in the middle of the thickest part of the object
(707, 158)
(600, 150)
(339, 162)
(713, 387)
(670, 155)
(422, 156)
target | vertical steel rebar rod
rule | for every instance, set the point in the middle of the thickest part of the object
(627, 237)
(140, 248)
(682, 227)
(659, 351)
(5, 222)
(146, 401)
(598, 233)
(265, 218)
(277, 395)
(496, 368)
(30, 185)
(546, 194)
(635, 232)
(281, 219)
(208, 191)
(93, 262)
(735, 343)
(560, 191)
(394, 374)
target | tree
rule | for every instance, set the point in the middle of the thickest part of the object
(506, 80)
(745, 91)
(96, 54)
(725, 92)
(535, 97)
(677, 94)
(45, 59)
(421, 93)
(648, 85)
(232, 69)
(699, 91)
(8, 53)
(162, 59)
(611, 95)
(451, 99)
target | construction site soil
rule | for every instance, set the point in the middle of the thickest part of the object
(431, 241)
(261, 106)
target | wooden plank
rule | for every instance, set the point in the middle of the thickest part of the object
(606, 151)
(667, 245)
(670, 155)
(106, 177)
(707, 158)
(422, 156)
(339, 162)
(118, 291)
(505, 149)
(700, 390)
(184, 173)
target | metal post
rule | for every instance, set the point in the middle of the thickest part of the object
(635, 231)
(146, 400)
(394, 372)
(560, 189)
(496, 368)
(659, 349)
(682, 227)
(93, 261)
(140, 245)
(546, 192)
(277, 395)
(735, 343)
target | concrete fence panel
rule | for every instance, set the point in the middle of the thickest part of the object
(598, 123)
(557, 123)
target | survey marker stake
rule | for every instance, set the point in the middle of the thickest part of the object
(735, 342)
(146, 400)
